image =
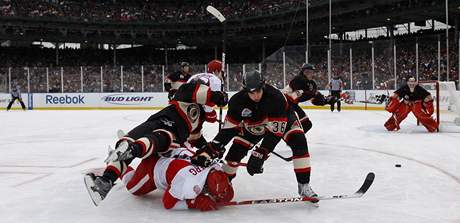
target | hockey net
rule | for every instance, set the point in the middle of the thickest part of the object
(446, 101)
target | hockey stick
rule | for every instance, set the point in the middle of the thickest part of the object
(287, 159)
(359, 193)
(214, 12)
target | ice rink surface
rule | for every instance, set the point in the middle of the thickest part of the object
(43, 155)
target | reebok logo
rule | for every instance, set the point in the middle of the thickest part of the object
(50, 99)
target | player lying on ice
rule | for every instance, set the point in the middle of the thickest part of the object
(177, 124)
(411, 98)
(185, 185)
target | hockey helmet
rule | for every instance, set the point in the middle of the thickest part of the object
(219, 186)
(307, 66)
(253, 81)
(214, 65)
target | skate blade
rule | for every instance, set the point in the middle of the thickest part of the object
(95, 197)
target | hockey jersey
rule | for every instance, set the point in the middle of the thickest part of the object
(180, 180)
(186, 112)
(418, 94)
(268, 117)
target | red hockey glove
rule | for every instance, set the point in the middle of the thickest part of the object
(203, 203)
(211, 116)
(392, 105)
(429, 107)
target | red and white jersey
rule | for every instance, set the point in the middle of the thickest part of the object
(178, 177)
(208, 79)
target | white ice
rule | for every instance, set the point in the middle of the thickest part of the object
(43, 155)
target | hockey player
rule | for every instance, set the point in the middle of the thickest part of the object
(213, 78)
(303, 88)
(175, 124)
(186, 186)
(16, 95)
(174, 80)
(411, 98)
(259, 112)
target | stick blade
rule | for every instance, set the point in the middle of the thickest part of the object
(215, 13)
(367, 183)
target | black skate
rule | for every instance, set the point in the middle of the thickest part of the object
(98, 187)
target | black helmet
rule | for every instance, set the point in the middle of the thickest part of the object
(253, 81)
(307, 66)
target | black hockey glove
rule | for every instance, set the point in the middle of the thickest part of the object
(207, 153)
(330, 100)
(256, 161)
(171, 94)
(220, 98)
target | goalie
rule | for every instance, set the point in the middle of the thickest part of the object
(411, 98)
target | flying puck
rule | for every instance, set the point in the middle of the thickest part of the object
(397, 165)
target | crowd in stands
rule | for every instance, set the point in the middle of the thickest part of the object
(140, 10)
(82, 69)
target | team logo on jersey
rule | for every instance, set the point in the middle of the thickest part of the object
(193, 112)
(197, 189)
(246, 113)
(257, 130)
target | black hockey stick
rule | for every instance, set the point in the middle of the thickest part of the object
(287, 159)
(213, 11)
(359, 193)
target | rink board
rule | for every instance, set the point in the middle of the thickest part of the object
(359, 100)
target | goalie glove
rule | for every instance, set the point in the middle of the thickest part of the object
(256, 161)
(392, 105)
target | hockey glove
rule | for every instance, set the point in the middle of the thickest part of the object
(211, 116)
(171, 94)
(318, 99)
(207, 153)
(330, 100)
(393, 105)
(203, 203)
(256, 161)
(219, 98)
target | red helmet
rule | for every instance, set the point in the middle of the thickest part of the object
(214, 65)
(219, 186)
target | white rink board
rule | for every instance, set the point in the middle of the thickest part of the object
(157, 100)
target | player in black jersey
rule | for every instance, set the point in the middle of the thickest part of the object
(303, 88)
(172, 125)
(174, 80)
(259, 112)
(411, 98)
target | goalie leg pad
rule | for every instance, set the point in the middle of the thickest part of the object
(424, 117)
